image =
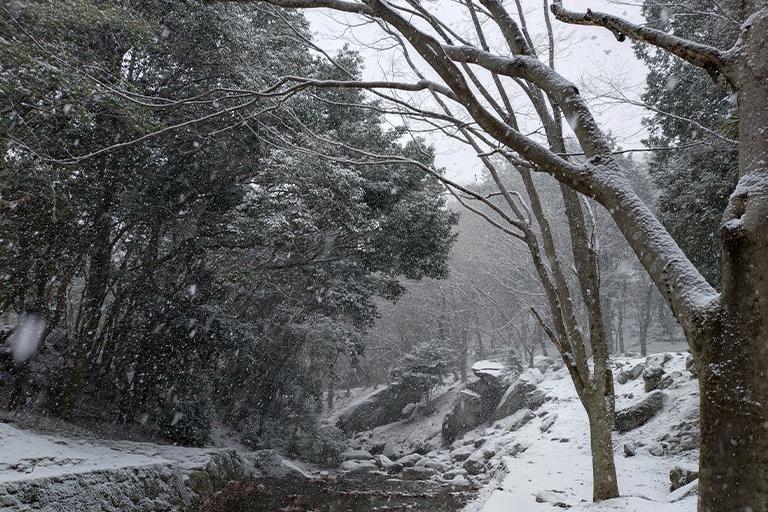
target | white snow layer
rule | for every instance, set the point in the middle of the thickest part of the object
(556, 470)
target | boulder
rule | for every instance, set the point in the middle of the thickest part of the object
(452, 473)
(680, 476)
(517, 420)
(432, 464)
(636, 371)
(652, 376)
(475, 463)
(270, 464)
(547, 423)
(683, 437)
(658, 359)
(383, 407)
(462, 453)
(640, 413)
(408, 410)
(390, 450)
(384, 462)
(357, 455)
(622, 376)
(685, 491)
(668, 380)
(354, 469)
(474, 405)
(418, 473)
(514, 398)
(488, 367)
(535, 399)
(409, 460)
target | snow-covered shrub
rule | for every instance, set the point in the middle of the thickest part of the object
(323, 445)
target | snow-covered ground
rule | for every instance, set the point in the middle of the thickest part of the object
(557, 466)
(553, 471)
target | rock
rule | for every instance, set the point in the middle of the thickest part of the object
(685, 491)
(349, 465)
(517, 449)
(432, 464)
(390, 450)
(418, 473)
(200, 482)
(460, 481)
(384, 462)
(353, 469)
(657, 359)
(547, 423)
(451, 473)
(408, 410)
(473, 406)
(668, 380)
(269, 464)
(357, 455)
(514, 398)
(409, 460)
(622, 376)
(535, 399)
(640, 413)
(554, 497)
(475, 463)
(383, 407)
(629, 451)
(636, 371)
(492, 368)
(542, 363)
(517, 420)
(462, 453)
(652, 376)
(657, 449)
(680, 476)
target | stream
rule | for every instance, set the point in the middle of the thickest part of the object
(331, 495)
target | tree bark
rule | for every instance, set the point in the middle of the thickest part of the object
(733, 347)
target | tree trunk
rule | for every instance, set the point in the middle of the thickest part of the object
(604, 484)
(733, 355)
(644, 318)
(96, 289)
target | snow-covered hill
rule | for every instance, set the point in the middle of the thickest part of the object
(547, 462)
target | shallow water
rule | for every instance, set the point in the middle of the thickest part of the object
(337, 496)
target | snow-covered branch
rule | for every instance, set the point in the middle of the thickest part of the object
(710, 59)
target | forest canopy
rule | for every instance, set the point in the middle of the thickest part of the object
(207, 272)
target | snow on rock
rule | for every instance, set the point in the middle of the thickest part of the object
(52, 474)
(489, 367)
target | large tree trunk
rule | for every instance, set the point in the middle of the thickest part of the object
(733, 361)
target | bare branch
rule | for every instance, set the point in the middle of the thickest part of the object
(712, 60)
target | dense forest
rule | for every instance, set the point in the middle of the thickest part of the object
(206, 273)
